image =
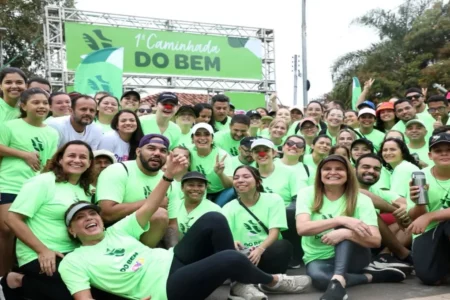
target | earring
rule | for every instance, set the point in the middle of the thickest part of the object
(74, 235)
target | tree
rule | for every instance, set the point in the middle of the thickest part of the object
(24, 38)
(413, 50)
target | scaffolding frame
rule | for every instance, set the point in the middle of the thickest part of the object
(60, 77)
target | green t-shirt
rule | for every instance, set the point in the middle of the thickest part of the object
(386, 195)
(309, 161)
(223, 126)
(423, 154)
(438, 196)
(270, 211)
(376, 137)
(173, 132)
(300, 170)
(384, 182)
(285, 182)
(224, 140)
(401, 176)
(313, 246)
(205, 165)
(118, 185)
(235, 163)
(105, 127)
(7, 112)
(44, 202)
(425, 117)
(119, 264)
(333, 138)
(291, 130)
(20, 135)
(185, 140)
(186, 220)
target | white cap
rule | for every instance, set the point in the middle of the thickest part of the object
(106, 153)
(367, 110)
(263, 142)
(296, 107)
(204, 126)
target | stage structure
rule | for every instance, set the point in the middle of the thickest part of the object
(161, 53)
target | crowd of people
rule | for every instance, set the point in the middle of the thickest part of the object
(107, 198)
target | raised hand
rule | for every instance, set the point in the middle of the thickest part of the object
(368, 84)
(219, 167)
(438, 123)
(175, 165)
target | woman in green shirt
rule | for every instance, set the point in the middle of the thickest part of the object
(346, 137)
(12, 84)
(320, 149)
(36, 219)
(25, 146)
(335, 120)
(108, 106)
(278, 129)
(338, 225)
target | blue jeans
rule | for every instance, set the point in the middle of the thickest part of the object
(349, 261)
(225, 196)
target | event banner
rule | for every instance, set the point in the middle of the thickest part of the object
(167, 52)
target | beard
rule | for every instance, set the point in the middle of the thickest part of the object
(145, 164)
(367, 182)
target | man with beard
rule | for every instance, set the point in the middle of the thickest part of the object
(78, 125)
(160, 122)
(221, 106)
(229, 140)
(245, 154)
(123, 188)
(368, 168)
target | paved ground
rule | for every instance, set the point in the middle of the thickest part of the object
(409, 289)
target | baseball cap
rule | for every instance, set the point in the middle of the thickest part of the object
(363, 141)
(202, 125)
(106, 153)
(334, 157)
(185, 108)
(247, 141)
(297, 108)
(367, 110)
(79, 207)
(252, 113)
(267, 118)
(366, 103)
(415, 121)
(131, 93)
(385, 106)
(304, 120)
(193, 175)
(438, 139)
(167, 97)
(263, 142)
(155, 138)
(232, 106)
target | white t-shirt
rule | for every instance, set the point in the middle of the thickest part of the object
(111, 141)
(91, 135)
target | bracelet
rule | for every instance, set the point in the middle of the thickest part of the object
(164, 177)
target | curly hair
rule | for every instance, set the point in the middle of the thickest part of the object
(137, 134)
(53, 165)
(406, 155)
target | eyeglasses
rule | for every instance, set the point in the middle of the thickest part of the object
(144, 110)
(438, 109)
(414, 97)
(292, 144)
(202, 134)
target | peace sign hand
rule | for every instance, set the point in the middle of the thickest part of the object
(220, 165)
(175, 165)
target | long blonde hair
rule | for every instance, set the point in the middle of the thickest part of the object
(351, 186)
(279, 120)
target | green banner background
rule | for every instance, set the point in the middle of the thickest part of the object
(246, 101)
(205, 55)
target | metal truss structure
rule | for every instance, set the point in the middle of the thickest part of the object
(60, 77)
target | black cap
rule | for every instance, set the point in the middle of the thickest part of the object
(167, 97)
(252, 113)
(185, 108)
(363, 141)
(247, 141)
(232, 106)
(438, 139)
(193, 175)
(131, 93)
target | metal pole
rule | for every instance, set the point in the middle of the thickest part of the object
(295, 78)
(304, 63)
(2, 34)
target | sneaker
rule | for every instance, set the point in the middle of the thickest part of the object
(294, 264)
(385, 274)
(388, 261)
(335, 291)
(241, 291)
(288, 285)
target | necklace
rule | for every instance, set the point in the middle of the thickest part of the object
(447, 190)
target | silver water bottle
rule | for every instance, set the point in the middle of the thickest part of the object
(418, 179)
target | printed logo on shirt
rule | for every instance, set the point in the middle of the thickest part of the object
(185, 227)
(121, 158)
(147, 191)
(320, 235)
(445, 201)
(115, 252)
(252, 227)
(138, 264)
(201, 170)
(268, 190)
(37, 144)
(128, 263)
(234, 151)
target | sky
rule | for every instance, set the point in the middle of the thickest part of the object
(330, 33)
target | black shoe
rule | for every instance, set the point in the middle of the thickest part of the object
(295, 264)
(335, 291)
(385, 274)
(388, 261)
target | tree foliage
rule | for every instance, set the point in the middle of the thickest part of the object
(24, 38)
(413, 50)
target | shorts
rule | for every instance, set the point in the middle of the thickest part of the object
(388, 218)
(6, 198)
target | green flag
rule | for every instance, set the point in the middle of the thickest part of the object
(356, 92)
(101, 70)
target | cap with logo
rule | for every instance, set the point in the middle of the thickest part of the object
(366, 103)
(439, 139)
(167, 97)
(263, 142)
(204, 126)
(414, 121)
(131, 93)
(367, 110)
(253, 113)
(79, 207)
(108, 154)
(193, 175)
(247, 141)
(154, 138)
(185, 109)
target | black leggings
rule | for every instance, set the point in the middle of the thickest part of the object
(349, 261)
(291, 233)
(275, 260)
(205, 258)
(39, 286)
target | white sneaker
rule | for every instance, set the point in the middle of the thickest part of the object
(288, 285)
(241, 291)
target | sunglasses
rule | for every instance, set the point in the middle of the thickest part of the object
(292, 143)
(202, 134)
(413, 97)
(144, 110)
